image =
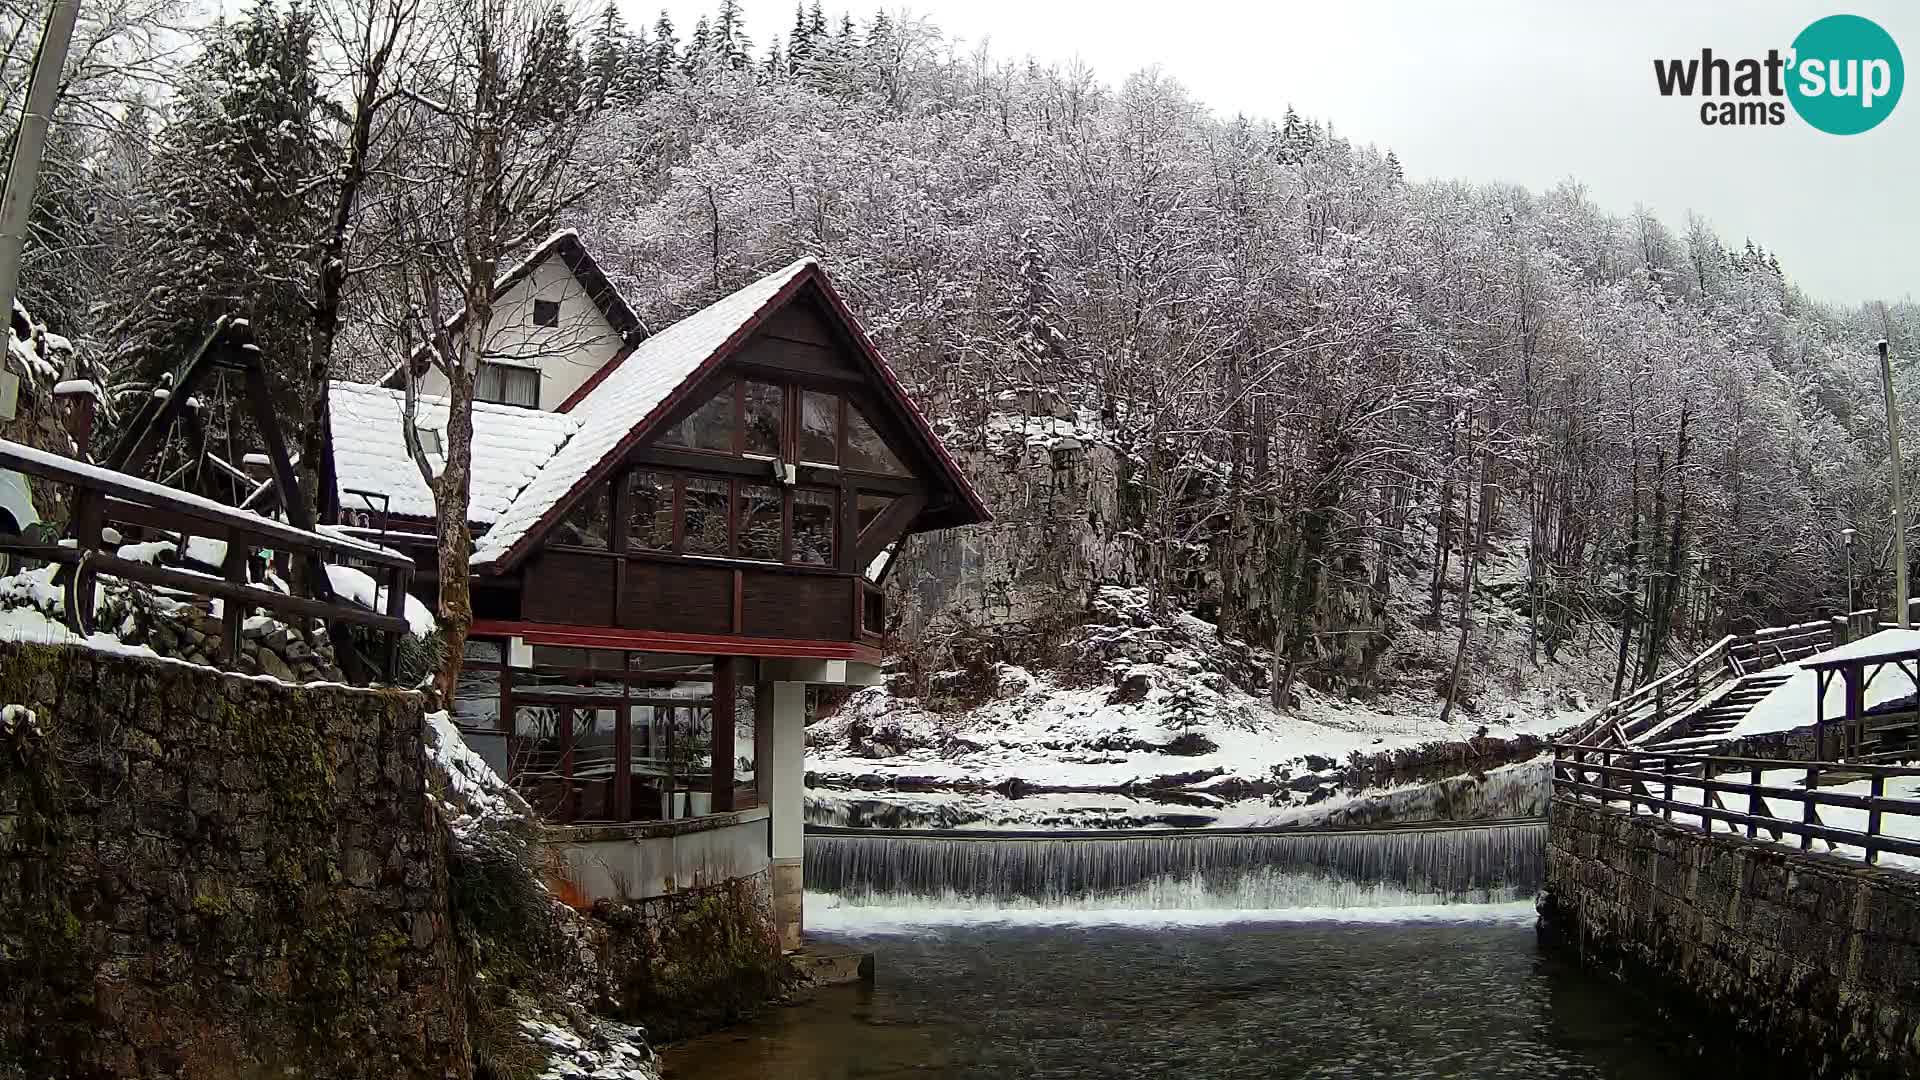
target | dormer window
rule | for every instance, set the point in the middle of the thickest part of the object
(546, 313)
(507, 384)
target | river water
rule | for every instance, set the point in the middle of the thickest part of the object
(1451, 991)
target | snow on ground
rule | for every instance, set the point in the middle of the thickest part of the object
(1904, 826)
(1171, 714)
(615, 1052)
(474, 792)
(1791, 704)
(1149, 705)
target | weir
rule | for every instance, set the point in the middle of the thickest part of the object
(1262, 869)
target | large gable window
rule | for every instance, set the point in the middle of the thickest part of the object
(819, 427)
(761, 522)
(765, 403)
(586, 523)
(704, 507)
(710, 427)
(813, 526)
(866, 450)
(507, 384)
(649, 511)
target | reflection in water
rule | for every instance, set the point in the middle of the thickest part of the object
(1253, 999)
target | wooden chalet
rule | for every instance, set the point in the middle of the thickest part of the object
(670, 546)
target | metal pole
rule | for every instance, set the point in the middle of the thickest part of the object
(1899, 493)
(30, 142)
(1852, 603)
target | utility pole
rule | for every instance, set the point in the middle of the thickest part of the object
(30, 142)
(1899, 493)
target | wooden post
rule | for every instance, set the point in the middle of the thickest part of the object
(623, 762)
(1807, 814)
(1667, 768)
(1606, 777)
(1753, 801)
(724, 689)
(566, 765)
(397, 581)
(1879, 791)
(234, 568)
(762, 743)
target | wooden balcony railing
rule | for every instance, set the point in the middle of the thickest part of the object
(99, 496)
(1739, 793)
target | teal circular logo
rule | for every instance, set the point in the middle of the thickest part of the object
(1846, 74)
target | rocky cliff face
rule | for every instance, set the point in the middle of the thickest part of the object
(1060, 531)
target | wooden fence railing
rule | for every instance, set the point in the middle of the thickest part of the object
(1620, 722)
(1733, 790)
(100, 496)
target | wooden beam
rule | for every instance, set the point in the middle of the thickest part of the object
(891, 524)
(606, 637)
(722, 755)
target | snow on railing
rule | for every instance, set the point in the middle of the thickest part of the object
(1654, 705)
(101, 495)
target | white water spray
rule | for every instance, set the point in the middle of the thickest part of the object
(1387, 868)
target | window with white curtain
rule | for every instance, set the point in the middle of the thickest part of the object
(506, 384)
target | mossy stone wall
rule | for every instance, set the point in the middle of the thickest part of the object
(204, 875)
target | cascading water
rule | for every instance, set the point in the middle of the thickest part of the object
(1180, 869)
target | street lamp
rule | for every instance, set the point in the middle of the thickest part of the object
(1846, 538)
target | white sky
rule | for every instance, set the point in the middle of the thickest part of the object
(1525, 92)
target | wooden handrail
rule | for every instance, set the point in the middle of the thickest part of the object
(100, 495)
(1622, 778)
(129, 498)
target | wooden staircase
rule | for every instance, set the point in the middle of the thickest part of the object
(1707, 725)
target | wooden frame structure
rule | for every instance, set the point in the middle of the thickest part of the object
(100, 496)
(1860, 733)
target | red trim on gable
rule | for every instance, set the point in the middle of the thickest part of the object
(809, 274)
(606, 637)
(600, 374)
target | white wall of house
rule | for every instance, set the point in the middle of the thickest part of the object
(567, 355)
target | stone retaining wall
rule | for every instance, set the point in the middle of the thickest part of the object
(1808, 956)
(203, 875)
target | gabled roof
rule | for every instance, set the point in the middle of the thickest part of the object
(620, 406)
(510, 445)
(567, 246)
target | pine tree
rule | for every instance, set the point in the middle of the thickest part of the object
(1393, 166)
(1297, 138)
(729, 42)
(233, 203)
(608, 53)
(556, 77)
(800, 40)
(666, 52)
(699, 46)
(776, 64)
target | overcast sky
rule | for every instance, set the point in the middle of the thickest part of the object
(1531, 93)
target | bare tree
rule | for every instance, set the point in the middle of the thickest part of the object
(493, 170)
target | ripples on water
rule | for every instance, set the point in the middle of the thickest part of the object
(1296, 997)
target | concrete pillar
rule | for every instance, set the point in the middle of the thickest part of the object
(783, 773)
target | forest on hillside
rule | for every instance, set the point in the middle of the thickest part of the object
(1329, 383)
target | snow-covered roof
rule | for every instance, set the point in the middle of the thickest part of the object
(510, 445)
(1873, 646)
(625, 397)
